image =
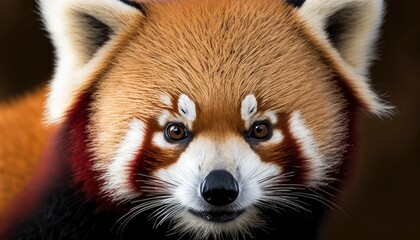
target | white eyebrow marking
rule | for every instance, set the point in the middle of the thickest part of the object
(309, 148)
(117, 175)
(248, 107)
(163, 118)
(186, 107)
(271, 115)
(166, 99)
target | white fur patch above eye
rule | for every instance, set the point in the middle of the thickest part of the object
(117, 177)
(166, 100)
(163, 118)
(186, 107)
(271, 115)
(248, 107)
(309, 148)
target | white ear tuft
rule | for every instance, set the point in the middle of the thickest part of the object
(351, 26)
(79, 30)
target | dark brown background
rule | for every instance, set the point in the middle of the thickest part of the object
(383, 200)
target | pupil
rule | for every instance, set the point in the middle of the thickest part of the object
(176, 130)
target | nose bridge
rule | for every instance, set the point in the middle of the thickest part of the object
(219, 132)
(219, 155)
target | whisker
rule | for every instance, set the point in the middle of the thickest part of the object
(156, 199)
(169, 214)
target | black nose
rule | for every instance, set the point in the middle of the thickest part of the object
(219, 188)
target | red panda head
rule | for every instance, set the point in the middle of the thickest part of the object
(211, 112)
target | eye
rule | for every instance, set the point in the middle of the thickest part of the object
(176, 131)
(260, 130)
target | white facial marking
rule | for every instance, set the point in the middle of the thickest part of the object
(276, 138)
(163, 118)
(117, 179)
(166, 100)
(272, 116)
(309, 149)
(248, 107)
(256, 180)
(160, 141)
(186, 107)
(251, 173)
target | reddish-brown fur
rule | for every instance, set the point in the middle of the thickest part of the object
(278, 61)
(22, 138)
(216, 52)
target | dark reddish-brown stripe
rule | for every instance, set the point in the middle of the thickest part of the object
(151, 158)
(286, 154)
(349, 140)
(81, 159)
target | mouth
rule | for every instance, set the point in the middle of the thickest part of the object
(217, 216)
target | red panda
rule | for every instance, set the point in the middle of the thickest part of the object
(191, 119)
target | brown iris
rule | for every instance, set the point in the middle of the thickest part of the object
(176, 131)
(260, 130)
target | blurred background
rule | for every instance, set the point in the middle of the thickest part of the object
(383, 199)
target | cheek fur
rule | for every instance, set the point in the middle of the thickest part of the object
(81, 159)
(135, 161)
(299, 155)
(152, 158)
(316, 163)
(117, 175)
(286, 154)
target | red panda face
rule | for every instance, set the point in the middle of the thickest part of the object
(201, 168)
(210, 126)
(210, 114)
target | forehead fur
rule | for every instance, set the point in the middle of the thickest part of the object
(217, 53)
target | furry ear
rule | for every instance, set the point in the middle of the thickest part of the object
(81, 31)
(349, 28)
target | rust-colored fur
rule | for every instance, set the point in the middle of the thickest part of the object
(123, 90)
(215, 68)
(178, 58)
(22, 138)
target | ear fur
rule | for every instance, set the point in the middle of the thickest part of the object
(351, 26)
(350, 29)
(81, 31)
